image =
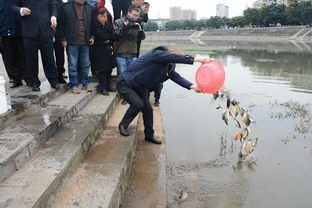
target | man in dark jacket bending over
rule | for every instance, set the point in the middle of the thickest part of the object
(148, 71)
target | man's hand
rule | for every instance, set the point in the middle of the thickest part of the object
(140, 28)
(126, 23)
(53, 22)
(25, 11)
(202, 60)
(91, 41)
(64, 43)
(195, 88)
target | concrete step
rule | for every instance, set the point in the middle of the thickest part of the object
(147, 185)
(25, 100)
(36, 181)
(102, 178)
(22, 138)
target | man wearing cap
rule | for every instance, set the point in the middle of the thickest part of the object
(148, 71)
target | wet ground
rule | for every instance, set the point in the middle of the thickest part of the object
(202, 156)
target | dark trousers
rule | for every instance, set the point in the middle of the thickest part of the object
(157, 91)
(138, 47)
(119, 7)
(59, 58)
(138, 100)
(31, 46)
(104, 79)
(12, 51)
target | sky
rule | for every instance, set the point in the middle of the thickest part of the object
(204, 8)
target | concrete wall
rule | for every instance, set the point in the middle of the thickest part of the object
(271, 34)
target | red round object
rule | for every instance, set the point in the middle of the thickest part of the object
(210, 77)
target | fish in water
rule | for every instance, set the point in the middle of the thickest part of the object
(246, 119)
(225, 116)
(238, 135)
(250, 145)
(183, 195)
(228, 101)
(217, 94)
(238, 123)
(233, 111)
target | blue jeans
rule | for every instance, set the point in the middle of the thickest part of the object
(78, 53)
(123, 63)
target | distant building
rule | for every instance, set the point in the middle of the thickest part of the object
(175, 13)
(188, 14)
(222, 10)
(160, 22)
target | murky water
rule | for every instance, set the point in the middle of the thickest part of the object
(202, 156)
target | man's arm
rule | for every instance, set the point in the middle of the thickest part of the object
(17, 7)
(53, 13)
(165, 56)
(174, 76)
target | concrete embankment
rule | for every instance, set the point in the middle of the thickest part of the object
(271, 34)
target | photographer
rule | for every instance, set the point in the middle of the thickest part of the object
(128, 31)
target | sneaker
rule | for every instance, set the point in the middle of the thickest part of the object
(88, 88)
(75, 91)
(157, 103)
(104, 92)
(124, 102)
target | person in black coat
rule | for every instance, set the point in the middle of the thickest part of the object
(120, 6)
(103, 59)
(38, 21)
(11, 43)
(148, 71)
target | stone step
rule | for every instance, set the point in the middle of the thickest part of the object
(26, 100)
(102, 178)
(36, 181)
(23, 137)
(147, 186)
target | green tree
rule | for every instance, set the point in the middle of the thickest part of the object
(187, 25)
(253, 16)
(214, 22)
(273, 14)
(237, 21)
(150, 26)
(293, 14)
(306, 14)
(173, 25)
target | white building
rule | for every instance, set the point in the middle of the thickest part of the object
(222, 10)
(188, 14)
(160, 22)
(175, 13)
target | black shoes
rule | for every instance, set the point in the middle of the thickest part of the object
(62, 81)
(104, 92)
(111, 90)
(154, 140)
(16, 84)
(157, 103)
(123, 131)
(36, 89)
(124, 102)
(55, 86)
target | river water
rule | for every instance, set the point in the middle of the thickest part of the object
(275, 86)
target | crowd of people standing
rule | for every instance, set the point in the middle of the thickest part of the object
(85, 29)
